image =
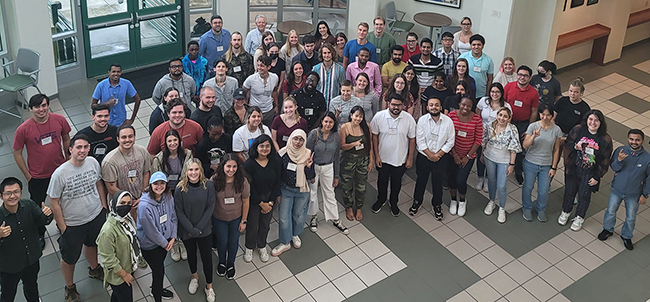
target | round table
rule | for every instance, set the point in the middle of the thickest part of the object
(301, 27)
(431, 20)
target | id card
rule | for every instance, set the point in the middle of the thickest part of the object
(46, 141)
(359, 147)
(172, 177)
(519, 103)
(229, 200)
(309, 111)
(219, 48)
(477, 68)
(163, 219)
(291, 167)
(425, 74)
(285, 138)
(378, 50)
(462, 133)
(100, 151)
(392, 131)
(236, 69)
(132, 173)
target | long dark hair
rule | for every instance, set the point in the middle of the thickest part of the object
(602, 130)
(365, 75)
(414, 86)
(363, 124)
(454, 78)
(317, 34)
(291, 77)
(405, 92)
(180, 152)
(252, 151)
(331, 115)
(264, 47)
(219, 178)
(502, 100)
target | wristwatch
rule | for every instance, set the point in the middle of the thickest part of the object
(244, 221)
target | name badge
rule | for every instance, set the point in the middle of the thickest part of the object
(100, 151)
(392, 131)
(229, 200)
(447, 67)
(219, 48)
(378, 50)
(180, 94)
(163, 218)
(477, 69)
(359, 147)
(309, 111)
(462, 133)
(236, 69)
(132, 173)
(589, 150)
(291, 167)
(424, 74)
(285, 138)
(519, 103)
(46, 140)
(172, 177)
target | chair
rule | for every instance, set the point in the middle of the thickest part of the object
(24, 75)
(396, 25)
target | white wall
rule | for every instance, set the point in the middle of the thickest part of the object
(360, 11)
(234, 14)
(495, 22)
(529, 35)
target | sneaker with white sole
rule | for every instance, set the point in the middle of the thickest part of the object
(479, 184)
(489, 208)
(183, 251)
(341, 227)
(502, 215)
(280, 248)
(142, 263)
(264, 254)
(209, 295)
(297, 243)
(453, 207)
(248, 255)
(175, 252)
(462, 207)
(564, 217)
(194, 285)
(313, 224)
(485, 186)
(577, 223)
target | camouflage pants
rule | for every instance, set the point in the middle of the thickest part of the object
(354, 175)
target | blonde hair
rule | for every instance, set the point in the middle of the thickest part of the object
(578, 82)
(184, 181)
(296, 114)
(287, 44)
(495, 122)
(228, 54)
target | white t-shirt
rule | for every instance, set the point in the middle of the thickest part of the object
(77, 189)
(243, 138)
(260, 92)
(394, 135)
(487, 113)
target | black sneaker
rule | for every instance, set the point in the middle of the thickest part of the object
(414, 208)
(167, 294)
(221, 269)
(394, 211)
(604, 235)
(437, 213)
(376, 207)
(230, 273)
(628, 243)
(520, 179)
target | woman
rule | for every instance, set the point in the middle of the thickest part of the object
(156, 229)
(323, 35)
(587, 154)
(487, 108)
(297, 172)
(171, 159)
(265, 171)
(469, 135)
(356, 161)
(119, 248)
(325, 143)
(451, 102)
(398, 86)
(500, 148)
(542, 143)
(230, 212)
(290, 49)
(159, 115)
(461, 38)
(506, 72)
(412, 85)
(213, 146)
(341, 40)
(278, 65)
(246, 134)
(570, 110)
(235, 117)
(461, 73)
(263, 49)
(295, 79)
(194, 203)
(548, 87)
(284, 124)
(368, 99)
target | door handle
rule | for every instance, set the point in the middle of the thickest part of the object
(157, 15)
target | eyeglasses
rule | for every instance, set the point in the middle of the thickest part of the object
(448, 39)
(175, 66)
(466, 24)
(9, 194)
(523, 75)
(396, 105)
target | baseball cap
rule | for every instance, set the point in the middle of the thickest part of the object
(157, 176)
(239, 94)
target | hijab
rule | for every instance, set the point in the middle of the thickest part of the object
(128, 226)
(299, 156)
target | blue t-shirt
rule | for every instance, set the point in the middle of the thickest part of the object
(104, 91)
(479, 69)
(352, 49)
(212, 48)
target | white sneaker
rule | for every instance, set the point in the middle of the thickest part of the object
(279, 249)
(296, 242)
(462, 208)
(194, 285)
(209, 295)
(264, 255)
(489, 208)
(485, 185)
(182, 249)
(453, 206)
(479, 184)
(248, 255)
(175, 252)
(564, 217)
(577, 223)
(502, 215)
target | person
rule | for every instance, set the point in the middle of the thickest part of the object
(425, 64)
(542, 143)
(20, 217)
(398, 86)
(45, 136)
(102, 135)
(382, 40)
(331, 73)
(311, 102)
(368, 98)
(157, 230)
(323, 35)
(392, 66)
(194, 202)
(246, 134)
(524, 102)
(230, 214)
(224, 86)
(570, 110)
(171, 160)
(214, 42)
(446, 53)
(179, 80)
(113, 91)
(460, 74)
(213, 146)
(411, 47)
(191, 132)
(469, 135)
(159, 114)
(630, 185)
(254, 37)
(295, 79)
(393, 141)
(353, 47)
(206, 108)
(411, 84)
(195, 65)
(235, 116)
(262, 90)
(587, 154)
(369, 68)
(462, 37)
(479, 65)
(500, 147)
(240, 62)
(438, 89)
(506, 72)
(286, 123)
(297, 170)
(548, 87)
(119, 248)
(277, 64)
(307, 57)
(341, 105)
(452, 102)
(291, 48)
(341, 41)
(435, 138)
(78, 201)
(263, 49)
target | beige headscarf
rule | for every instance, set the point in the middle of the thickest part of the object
(298, 156)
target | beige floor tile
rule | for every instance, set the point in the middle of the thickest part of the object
(501, 282)
(540, 289)
(571, 268)
(520, 294)
(349, 284)
(534, 262)
(481, 291)
(461, 227)
(478, 240)
(498, 256)
(518, 272)
(444, 235)
(480, 265)
(556, 278)
(550, 253)
(327, 293)
(462, 250)
(462, 297)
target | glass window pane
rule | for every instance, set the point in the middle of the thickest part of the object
(65, 51)
(158, 31)
(109, 40)
(333, 3)
(60, 16)
(198, 27)
(101, 8)
(254, 3)
(298, 16)
(200, 4)
(271, 19)
(154, 3)
(332, 19)
(297, 3)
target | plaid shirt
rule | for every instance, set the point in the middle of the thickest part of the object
(448, 60)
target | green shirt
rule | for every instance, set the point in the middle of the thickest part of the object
(114, 248)
(382, 45)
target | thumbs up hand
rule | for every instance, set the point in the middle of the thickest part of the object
(46, 210)
(5, 231)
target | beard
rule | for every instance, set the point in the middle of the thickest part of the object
(434, 114)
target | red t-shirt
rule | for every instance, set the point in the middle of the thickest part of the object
(407, 54)
(522, 101)
(43, 142)
(191, 134)
(283, 132)
(467, 134)
(289, 90)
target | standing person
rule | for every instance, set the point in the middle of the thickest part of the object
(437, 89)
(157, 230)
(307, 57)
(548, 87)
(543, 146)
(479, 65)
(194, 202)
(353, 47)
(362, 65)
(460, 74)
(235, 116)
(446, 53)
(323, 35)
(277, 64)
(206, 108)
(265, 171)
(246, 134)
(342, 104)
(411, 83)
(262, 88)
(398, 86)
(500, 148)
(368, 98)
(311, 102)
(263, 49)
(113, 91)
(102, 135)
(214, 43)
(382, 40)
(326, 145)
(214, 145)
(240, 62)
(469, 135)
(331, 73)
(22, 218)
(191, 132)
(393, 140)
(587, 154)
(286, 123)
(506, 72)
(179, 80)
(341, 41)
(392, 66)
(630, 184)
(295, 79)
(254, 37)
(425, 63)
(195, 65)
(435, 138)
(46, 136)
(571, 109)
(78, 202)
(411, 47)
(224, 86)
(462, 38)
(159, 115)
(291, 48)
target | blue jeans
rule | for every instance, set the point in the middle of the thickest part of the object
(227, 239)
(293, 211)
(631, 208)
(531, 173)
(496, 176)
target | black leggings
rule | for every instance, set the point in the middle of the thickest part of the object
(204, 246)
(458, 176)
(258, 227)
(122, 293)
(156, 260)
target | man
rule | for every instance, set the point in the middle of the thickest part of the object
(224, 86)
(363, 65)
(343, 104)
(394, 66)
(195, 65)
(20, 249)
(330, 72)
(45, 136)
(254, 37)
(425, 64)
(78, 201)
(393, 141)
(103, 136)
(523, 100)
(352, 48)
(214, 43)
(311, 102)
(479, 65)
(113, 91)
(631, 183)
(206, 108)
(411, 47)
(447, 54)
(382, 41)
(308, 58)
(435, 138)
(189, 130)
(179, 80)
(262, 88)
(240, 63)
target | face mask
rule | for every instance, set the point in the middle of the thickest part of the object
(122, 210)
(273, 56)
(541, 74)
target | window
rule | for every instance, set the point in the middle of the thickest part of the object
(64, 32)
(311, 11)
(200, 13)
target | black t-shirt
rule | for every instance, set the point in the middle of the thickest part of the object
(547, 91)
(432, 92)
(279, 67)
(209, 152)
(569, 114)
(101, 143)
(307, 63)
(202, 117)
(310, 106)
(451, 103)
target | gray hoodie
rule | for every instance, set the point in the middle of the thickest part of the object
(185, 86)
(157, 222)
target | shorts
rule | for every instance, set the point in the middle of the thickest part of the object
(74, 237)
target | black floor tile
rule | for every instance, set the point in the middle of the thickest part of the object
(632, 102)
(313, 251)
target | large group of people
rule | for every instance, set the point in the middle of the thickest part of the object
(243, 126)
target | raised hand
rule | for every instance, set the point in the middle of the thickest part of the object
(621, 155)
(46, 210)
(5, 230)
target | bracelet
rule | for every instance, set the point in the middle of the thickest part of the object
(554, 169)
(468, 156)
(511, 164)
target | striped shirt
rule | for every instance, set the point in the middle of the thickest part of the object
(467, 134)
(330, 80)
(425, 71)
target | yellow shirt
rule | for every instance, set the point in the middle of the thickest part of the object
(390, 70)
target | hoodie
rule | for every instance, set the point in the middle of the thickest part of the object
(185, 86)
(157, 222)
